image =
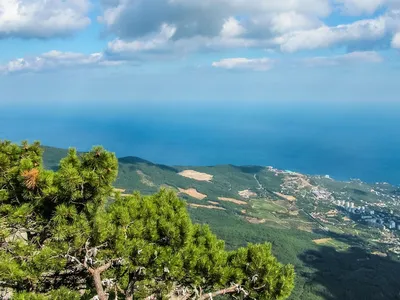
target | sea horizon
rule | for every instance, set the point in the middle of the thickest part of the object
(344, 142)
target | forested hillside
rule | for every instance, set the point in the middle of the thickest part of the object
(249, 204)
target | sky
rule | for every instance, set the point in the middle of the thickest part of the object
(126, 51)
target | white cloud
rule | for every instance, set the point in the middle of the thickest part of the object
(164, 43)
(396, 41)
(358, 7)
(207, 17)
(42, 18)
(287, 25)
(341, 35)
(292, 20)
(257, 64)
(151, 28)
(344, 59)
(55, 60)
(232, 28)
(153, 42)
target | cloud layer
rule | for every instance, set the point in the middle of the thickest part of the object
(287, 26)
(55, 60)
(207, 18)
(42, 18)
(155, 29)
(344, 59)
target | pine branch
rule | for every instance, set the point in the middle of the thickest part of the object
(232, 290)
(73, 258)
(106, 266)
(235, 289)
(120, 289)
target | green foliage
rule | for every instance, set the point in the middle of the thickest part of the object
(60, 234)
(60, 294)
(165, 250)
(258, 271)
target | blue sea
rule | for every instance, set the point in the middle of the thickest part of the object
(359, 140)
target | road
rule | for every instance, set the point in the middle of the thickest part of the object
(262, 189)
(323, 227)
(259, 184)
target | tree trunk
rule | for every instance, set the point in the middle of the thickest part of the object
(98, 285)
(130, 289)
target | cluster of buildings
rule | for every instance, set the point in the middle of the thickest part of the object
(377, 219)
(321, 193)
(378, 222)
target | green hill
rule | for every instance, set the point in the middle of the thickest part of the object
(336, 256)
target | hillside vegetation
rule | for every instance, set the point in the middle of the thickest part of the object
(348, 261)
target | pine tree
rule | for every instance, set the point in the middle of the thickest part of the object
(65, 234)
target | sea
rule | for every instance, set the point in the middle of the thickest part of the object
(342, 140)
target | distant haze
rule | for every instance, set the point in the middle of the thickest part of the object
(344, 141)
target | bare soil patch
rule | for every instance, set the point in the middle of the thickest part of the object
(206, 206)
(193, 193)
(287, 197)
(232, 200)
(322, 241)
(196, 175)
(120, 190)
(255, 220)
(213, 203)
(247, 194)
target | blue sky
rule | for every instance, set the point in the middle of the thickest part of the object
(77, 51)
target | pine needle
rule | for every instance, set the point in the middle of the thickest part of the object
(31, 178)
